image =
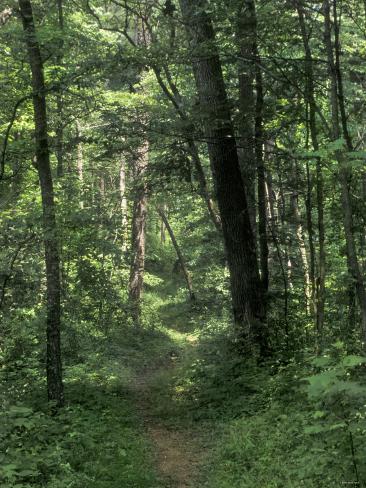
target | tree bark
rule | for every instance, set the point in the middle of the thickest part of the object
(302, 249)
(59, 99)
(182, 263)
(52, 260)
(123, 202)
(80, 162)
(246, 290)
(262, 205)
(246, 32)
(138, 237)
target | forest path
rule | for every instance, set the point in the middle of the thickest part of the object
(178, 447)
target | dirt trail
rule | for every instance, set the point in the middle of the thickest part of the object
(177, 452)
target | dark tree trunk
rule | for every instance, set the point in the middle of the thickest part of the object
(246, 290)
(138, 233)
(246, 32)
(262, 204)
(54, 367)
(180, 257)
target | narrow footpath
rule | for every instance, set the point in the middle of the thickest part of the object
(178, 448)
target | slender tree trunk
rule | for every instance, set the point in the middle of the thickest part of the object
(163, 228)
(138, 237)
(59, 100)
(336, 98)
(162, 232)
(310, 95)
(54, 367)
(310, 229)
(262, 205)
(80, 162)
(123, 202)
(182, 263)
(246, 290)
(284, 233)
(272, 220)
(302, 249)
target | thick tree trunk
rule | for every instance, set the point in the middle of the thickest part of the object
(180, 257)
(54, 367)
(138, 233)
(337, 104)
(239, 240)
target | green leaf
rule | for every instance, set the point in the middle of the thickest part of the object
(28, 472)
(19, 410)
(319, 414)
(315, 429)
(321, 361)
(353, 360)
(320, 383)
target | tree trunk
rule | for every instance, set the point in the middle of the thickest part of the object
(246, 31)
(138, 233)
(246, 290)
(272, 220)
(123, 202)
(59, 100)
(182, 263)
(262, 205)
(310, 229)
(302, 249)
(80, 162)
(336, 98)
(54, 367)
(310, 96)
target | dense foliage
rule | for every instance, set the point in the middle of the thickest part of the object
(182, 199)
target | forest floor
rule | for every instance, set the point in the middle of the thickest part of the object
(179, 448)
